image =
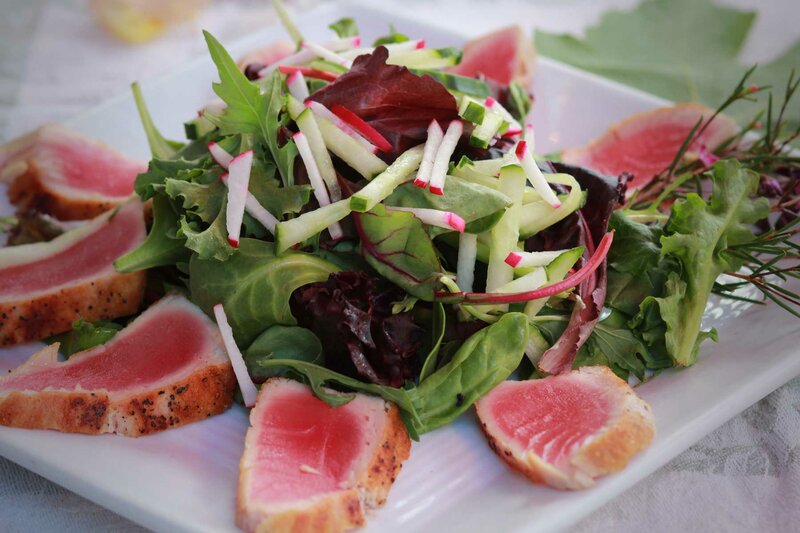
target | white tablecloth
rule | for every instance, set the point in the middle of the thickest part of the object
(55, 62)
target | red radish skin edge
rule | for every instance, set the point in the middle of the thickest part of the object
(370, 133)
(217, 154)
(308, 72)
(490, 101)
(513, 259)
(544, 292)
(437, 190)
(522, 147)
(456, 222)
(420, 44)
(357, 40)
(420, 183)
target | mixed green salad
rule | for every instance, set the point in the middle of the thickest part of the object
(372, 222)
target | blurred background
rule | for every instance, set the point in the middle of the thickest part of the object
(61, 57)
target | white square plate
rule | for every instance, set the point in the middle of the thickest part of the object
(185, 479)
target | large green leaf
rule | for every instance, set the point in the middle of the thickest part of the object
(480, 364)
(683, 50)
(697, 236)
(254, 285)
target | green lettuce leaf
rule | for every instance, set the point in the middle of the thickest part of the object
(697, 236)
(254, 285)
(682, 50)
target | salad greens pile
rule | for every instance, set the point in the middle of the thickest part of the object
(352, 270)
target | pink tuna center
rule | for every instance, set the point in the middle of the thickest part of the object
(305, 447)
(89, 167)
(84, 259)
(550, 417)
(162, 345)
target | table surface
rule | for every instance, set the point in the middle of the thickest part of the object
(56, 62)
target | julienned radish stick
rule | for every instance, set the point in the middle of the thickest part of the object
(251, 204)
(246, 385)
(321, 111)
(219, 155)
(324, 53)
(535, 175)
(307, 72)
(320, 192)
(467, 254)
(370, 133)
(435, 135)
(238, 181)
(304, 56)
(256, 210)
(532, 259)
(319, 151)
(296, 83)
(442, 160)
(434, 217)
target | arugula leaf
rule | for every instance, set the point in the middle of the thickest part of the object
(690, 52)
(397, 246)
(345, 27)
(162, 247)
(479, 206)
(481, 363)
(251, 110)
(85, 335)
(160, 147)
(698, 235)
(254, 285)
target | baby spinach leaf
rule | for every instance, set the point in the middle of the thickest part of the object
(476, 204)
(483, 361)
(282, 342)
(162, 246)
(397, 246)
(254, 285)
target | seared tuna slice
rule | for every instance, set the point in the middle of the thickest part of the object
(45, 287)
(566, 430)
(65, 174)
(166, 369)
(311, 467)
(645, 144)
